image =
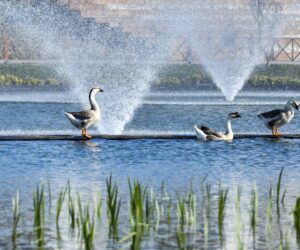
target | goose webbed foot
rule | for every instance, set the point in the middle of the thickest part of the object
(85, 134)
(277, 133)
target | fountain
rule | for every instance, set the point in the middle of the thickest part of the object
(92, 55)
(229, 38)
(227, 43)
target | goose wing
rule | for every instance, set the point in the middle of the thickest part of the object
(83, 115)
(273, 114)
(210, 132)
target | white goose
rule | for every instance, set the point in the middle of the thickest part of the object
(204, 133)
(276, 118)
(86, 118)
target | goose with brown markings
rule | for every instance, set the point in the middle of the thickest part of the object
(205, 133)
(276, 118)
(84, 119)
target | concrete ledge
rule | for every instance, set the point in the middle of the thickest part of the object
(132, 137)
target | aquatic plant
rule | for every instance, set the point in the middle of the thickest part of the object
(253, 210)
(296, 213)
(136, 199)
(191, 208)
(113, 206)
(222, 197)
(59, 204)
(39, 214)
(87, 225)
(16, 217)
(181, 211)
(71, 208)
(208, 197)
(238, 227)
(169, 210)
(98, 204)
(49, 194)
(278, 187)
(269, 211)
(181, 238)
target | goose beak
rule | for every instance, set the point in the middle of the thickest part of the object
(297, 107)
(101, 90)
(238, 115)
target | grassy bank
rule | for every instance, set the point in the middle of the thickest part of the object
(28, 74)
(262, 75)
(170, 76)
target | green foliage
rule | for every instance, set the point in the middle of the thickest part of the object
(39, 214)
(16, 217)
(60, 201)
(296, 213)
(87, 225)
(28, 74)
(173, 75)
(253, 210)
(113, 206)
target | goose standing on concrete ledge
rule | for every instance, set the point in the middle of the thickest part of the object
(204, 133)
(276, 118)
(86, 118)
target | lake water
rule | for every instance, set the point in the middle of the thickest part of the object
(176, 163)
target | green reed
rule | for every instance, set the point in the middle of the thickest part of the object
(269, 212)
(87, 225)
(49, 193)
(98, 205)
(253, 210)
(238, 226)
(181, 238)
(181, 211)
(222, 198)
(59, 203)
(113, 206)
(278, 187)
(71, 207)
(284, 242)
(16, 217)
(191, 208)
(296, 213)
(39, 214)
(169, 210)
(208, 197)
(136, 200)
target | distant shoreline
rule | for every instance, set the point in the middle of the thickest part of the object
(170, 77)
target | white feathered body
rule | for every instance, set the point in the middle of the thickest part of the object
(85, 119)
(84, 123)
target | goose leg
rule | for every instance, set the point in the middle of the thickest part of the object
(276, 132)
(273, 131)
(87, 135)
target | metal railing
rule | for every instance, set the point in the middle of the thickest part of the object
(286, 49)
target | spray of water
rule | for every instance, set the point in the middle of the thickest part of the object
(87, 55)
(228, 38)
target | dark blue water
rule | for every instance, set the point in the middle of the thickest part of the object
(87, 164)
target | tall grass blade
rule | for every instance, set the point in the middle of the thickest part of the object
(16, 217)
(278, 187)
(59, 204)
(39, 214)
(238, 226)
(113, 207)
(253, 211)
(296, 213)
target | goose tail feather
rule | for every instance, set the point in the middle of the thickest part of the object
(200, 134)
